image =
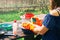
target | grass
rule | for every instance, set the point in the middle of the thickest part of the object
(20, 39)
(8, 16)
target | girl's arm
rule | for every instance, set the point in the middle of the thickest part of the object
(40, 30)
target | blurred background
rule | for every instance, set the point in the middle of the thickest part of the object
(12, 9)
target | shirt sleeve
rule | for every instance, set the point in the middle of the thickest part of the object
(49, 22)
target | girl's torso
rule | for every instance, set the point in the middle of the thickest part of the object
(55, 33)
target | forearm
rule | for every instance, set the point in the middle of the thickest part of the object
(40, 30)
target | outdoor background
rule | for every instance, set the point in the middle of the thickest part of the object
(12, 9)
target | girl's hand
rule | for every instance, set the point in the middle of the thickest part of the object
(36, 29)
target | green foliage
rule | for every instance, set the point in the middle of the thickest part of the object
(15, 15)
(21, 13)
(20, 39)
(9, 16)
(44, 11)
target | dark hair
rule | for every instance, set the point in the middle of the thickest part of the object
(55, 4)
